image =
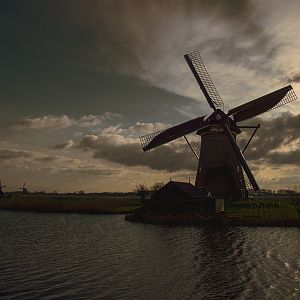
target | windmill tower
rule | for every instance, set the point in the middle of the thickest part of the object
(1, 189)
(222, 168)
(23, 188)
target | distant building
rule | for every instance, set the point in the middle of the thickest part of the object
(265, 192)
(182, 196)
(286, 192)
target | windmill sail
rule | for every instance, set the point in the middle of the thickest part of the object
(207, 86)
(240, 157)
(263, 104)
(156, 139)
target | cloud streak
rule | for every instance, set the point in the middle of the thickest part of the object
(64, 121)
(227, 33)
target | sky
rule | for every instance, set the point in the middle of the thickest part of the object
(81, 80)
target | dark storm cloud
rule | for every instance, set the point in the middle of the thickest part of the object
(137, 29)
(55, 46)
(275, 133)
(6, 154)
(171, 157)
(290, 157)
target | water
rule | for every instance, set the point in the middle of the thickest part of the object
(61, 256)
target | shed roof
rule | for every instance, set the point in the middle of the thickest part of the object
(188, 188)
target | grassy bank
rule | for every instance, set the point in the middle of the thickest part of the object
(244, 213)
(268, 210)
(70, 204)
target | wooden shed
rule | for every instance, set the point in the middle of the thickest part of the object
(181, 197)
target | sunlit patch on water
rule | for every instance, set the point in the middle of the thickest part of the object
(56, 256)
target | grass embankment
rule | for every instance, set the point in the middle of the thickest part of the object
(265, 211)
(70, 204)
(243, 213)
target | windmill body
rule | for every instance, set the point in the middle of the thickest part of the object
(219, 172)
(222, 168)
(1, 189)
(23, 188)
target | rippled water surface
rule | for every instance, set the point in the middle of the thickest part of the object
(70, 256)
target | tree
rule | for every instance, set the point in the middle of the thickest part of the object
(142, 191)
(156, 186)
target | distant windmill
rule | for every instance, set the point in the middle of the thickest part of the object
(222, 168)
(23, 188)
(1, 189)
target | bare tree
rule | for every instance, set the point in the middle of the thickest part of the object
(156, 186)
(142, 190)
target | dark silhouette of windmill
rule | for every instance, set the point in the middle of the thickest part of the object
(222, 168)
(1, 189)
(23, 188)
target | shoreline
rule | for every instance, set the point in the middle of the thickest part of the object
(67, 211)
(216, 220)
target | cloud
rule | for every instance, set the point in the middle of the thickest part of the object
(127, 151)
(64, 164)
(64, 121)
(93, 120)
(136, 130)
(144, 128)
(147, 40)
(276, 141)
(90, 170)
(226, 32)
(287, 157)
(294, 78)
(63, 146)
(8, 154)
(45, 122)
(46, 159)
(39, 163)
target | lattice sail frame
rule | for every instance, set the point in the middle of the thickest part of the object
(205, 78)
(288, 98)
(146, 139)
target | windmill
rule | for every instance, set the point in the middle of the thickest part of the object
(222, 168)
(23, 188)
(1, 189)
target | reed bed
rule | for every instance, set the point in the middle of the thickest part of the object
(70, 203)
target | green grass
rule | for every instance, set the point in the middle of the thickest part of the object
(268, 210)
(76, 204)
